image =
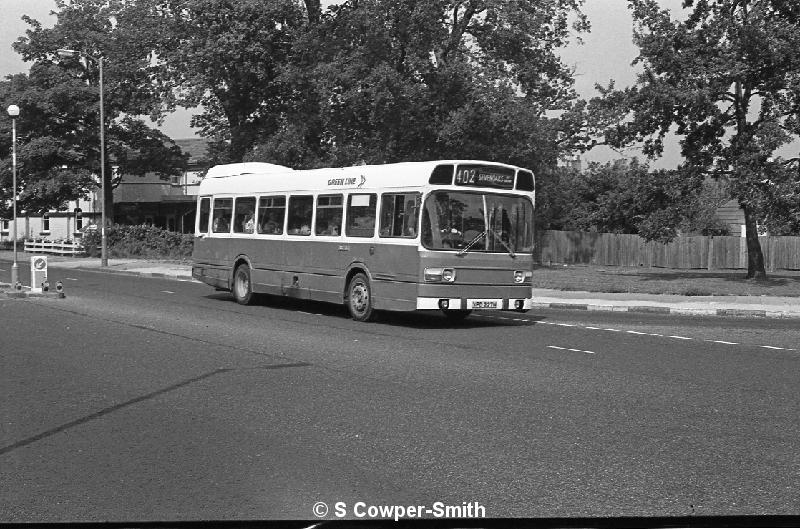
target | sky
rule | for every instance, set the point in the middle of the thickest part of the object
(606, 54)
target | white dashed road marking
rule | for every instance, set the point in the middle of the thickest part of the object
(569, 349)
(674, 336)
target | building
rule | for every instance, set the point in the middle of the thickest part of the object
(149, 199)
(167, 204)
(54, 225)
(731, 214)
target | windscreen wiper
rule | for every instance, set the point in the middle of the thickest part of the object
(508, 248)
(471, 243)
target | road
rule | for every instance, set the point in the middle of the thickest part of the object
(137, 399)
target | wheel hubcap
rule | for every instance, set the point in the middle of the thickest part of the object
(241, 284)
(359, 298)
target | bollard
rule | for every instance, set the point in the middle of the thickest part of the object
(59, 287)
(45, 285)
(18, 286)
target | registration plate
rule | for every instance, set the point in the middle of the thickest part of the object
(484, 303)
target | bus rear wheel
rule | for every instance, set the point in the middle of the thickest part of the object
(456, 314)
(359, 298)
(242, 286)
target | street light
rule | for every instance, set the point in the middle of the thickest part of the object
(65, 53)
(13, 111)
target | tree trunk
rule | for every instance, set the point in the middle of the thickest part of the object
(755, 257)
(314, 9)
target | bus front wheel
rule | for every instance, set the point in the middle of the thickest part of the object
(242, 286)
(359, 298)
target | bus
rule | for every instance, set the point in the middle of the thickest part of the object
(448, 235)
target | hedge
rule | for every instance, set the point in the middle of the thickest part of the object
(140, 241)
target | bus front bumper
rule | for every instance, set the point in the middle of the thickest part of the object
(520, 304)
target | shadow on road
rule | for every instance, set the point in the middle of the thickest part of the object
(414, 320)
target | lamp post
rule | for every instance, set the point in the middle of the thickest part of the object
(13, 111)
(63, 52)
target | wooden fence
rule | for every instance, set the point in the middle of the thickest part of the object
(57, 248)
(611, 249)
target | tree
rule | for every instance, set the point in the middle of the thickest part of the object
(223, 57)
(50, 169)
(384, 81)
(59, 99)
(626, 197)
(726, 80)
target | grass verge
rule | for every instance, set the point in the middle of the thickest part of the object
(665, 281)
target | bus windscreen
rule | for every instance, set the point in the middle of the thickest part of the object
(477, 222)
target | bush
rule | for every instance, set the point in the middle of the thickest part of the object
(139, 241)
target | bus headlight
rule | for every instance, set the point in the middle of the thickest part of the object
(448, 275)
(439, 275)
(520, 276)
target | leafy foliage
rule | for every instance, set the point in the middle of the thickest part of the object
(284, 81)
(381, 81)
(140, 241)
(625, 197)
(727, 80)
(59, 123)
(224, 57)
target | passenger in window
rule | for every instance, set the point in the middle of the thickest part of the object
(220, 224)
(300, 219)
(410, 219)
(334, 226)
(249, 222)
(271, 225)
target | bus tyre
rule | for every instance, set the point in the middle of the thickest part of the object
(242, 287)
(456, 314)
(359, 298)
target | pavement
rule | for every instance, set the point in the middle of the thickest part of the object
(741, 306)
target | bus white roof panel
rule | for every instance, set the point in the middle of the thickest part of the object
(223, 179)
(235, 169)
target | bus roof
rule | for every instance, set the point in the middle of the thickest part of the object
(256, 177)
(235, 169)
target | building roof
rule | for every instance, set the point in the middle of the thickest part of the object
(196, 148)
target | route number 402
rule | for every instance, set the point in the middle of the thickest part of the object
(466, 176)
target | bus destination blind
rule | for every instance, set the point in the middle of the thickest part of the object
(484, 176)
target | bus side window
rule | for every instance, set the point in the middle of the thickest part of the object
(223, 210)
(205, 215)
(361, 215)
(329, 215)
(300, 210)
(399, 214)
(244, 219)
(271, 213)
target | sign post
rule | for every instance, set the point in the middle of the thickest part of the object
(38, 272)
